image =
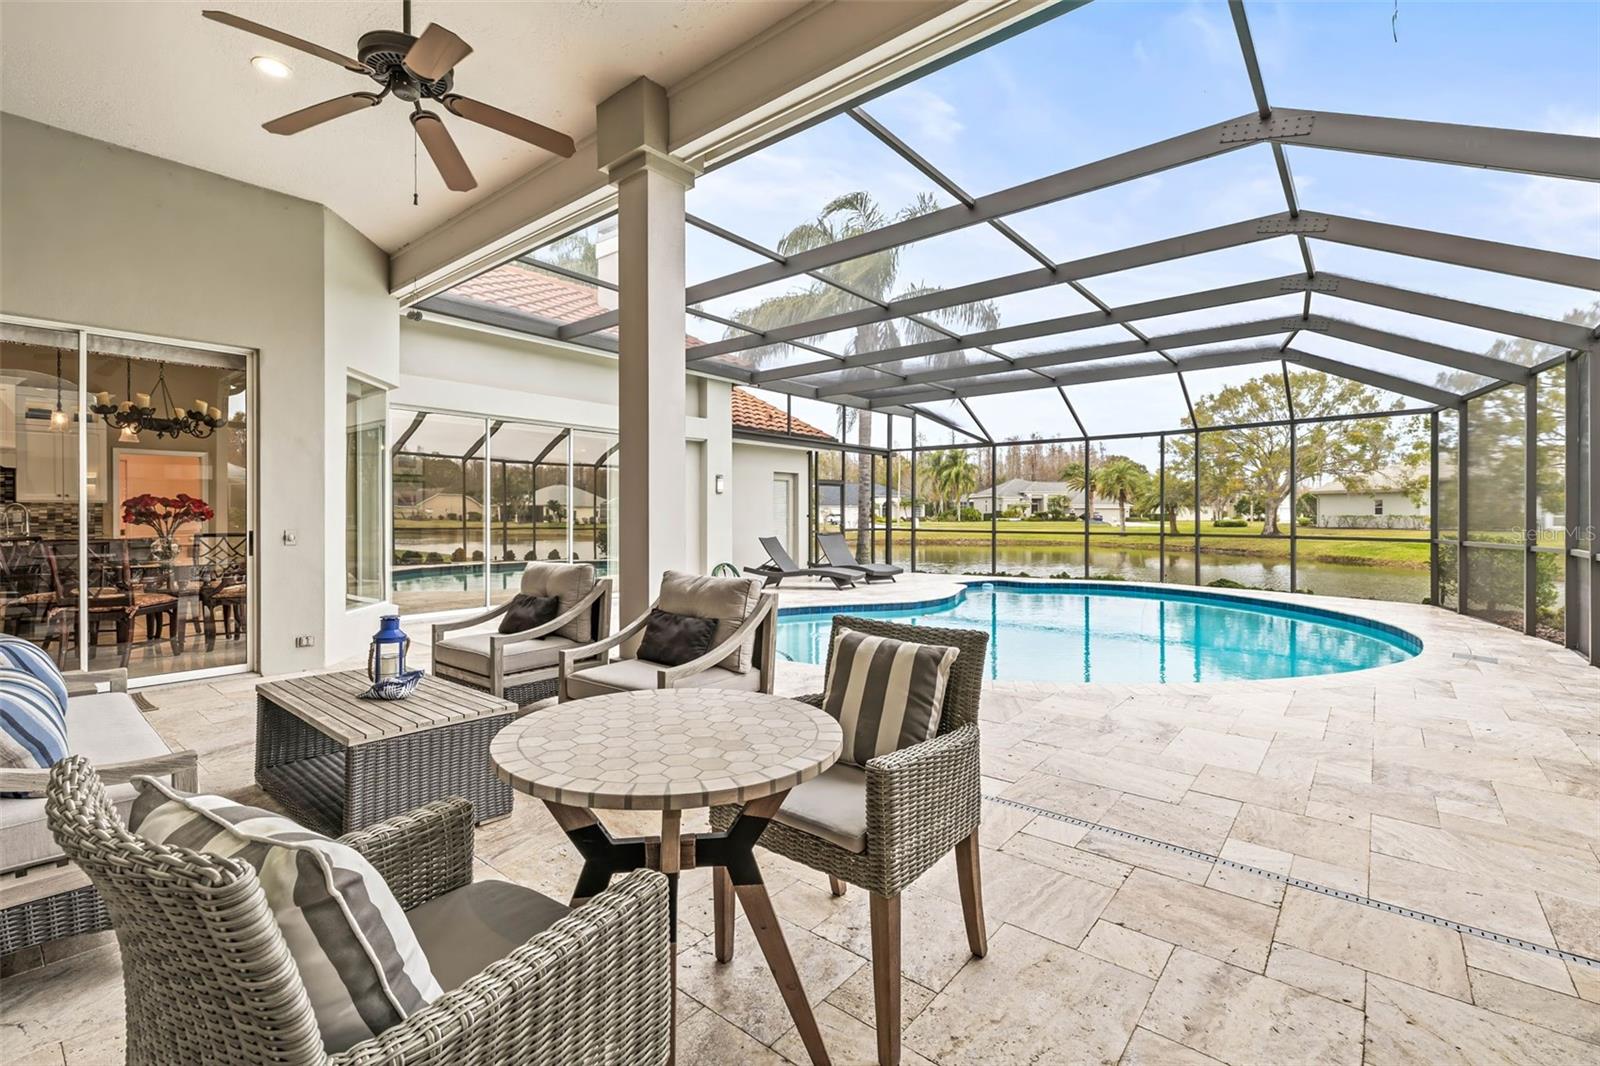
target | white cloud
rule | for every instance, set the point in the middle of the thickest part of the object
(1554, 213)
(919, 115)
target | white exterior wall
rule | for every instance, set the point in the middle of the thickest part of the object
(754, 466)
(1394, 503)
(481, 371)
(106, 237)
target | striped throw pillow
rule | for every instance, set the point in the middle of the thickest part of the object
(361, 964)
(33, 725)
(886, 694)
(24, 655)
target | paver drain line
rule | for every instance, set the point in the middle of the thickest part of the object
(1309, 886)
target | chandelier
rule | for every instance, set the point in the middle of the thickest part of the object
(137, 414)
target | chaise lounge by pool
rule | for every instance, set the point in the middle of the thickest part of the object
(1103, 632)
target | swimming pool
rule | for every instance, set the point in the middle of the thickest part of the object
(1108, 633)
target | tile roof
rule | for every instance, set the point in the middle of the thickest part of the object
(532, 292)
(519, 287)
(753, 413)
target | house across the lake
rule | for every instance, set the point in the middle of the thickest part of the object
(1036, 497)
(1395, 497)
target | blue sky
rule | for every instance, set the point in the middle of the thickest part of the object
(1114, 75)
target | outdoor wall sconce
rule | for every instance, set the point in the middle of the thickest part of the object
(721, 484)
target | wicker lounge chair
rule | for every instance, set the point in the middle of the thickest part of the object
(837, 551)
(780, 564)
(209, 978)
(882, 828)
(522, 666)
(590, 671)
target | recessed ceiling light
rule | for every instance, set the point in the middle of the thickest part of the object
(272, 68)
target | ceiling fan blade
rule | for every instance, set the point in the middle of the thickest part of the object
(442, 148)
(316, 114)
(514, 125)
(287, 40)
(435, 53)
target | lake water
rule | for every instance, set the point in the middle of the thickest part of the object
(1327, 579)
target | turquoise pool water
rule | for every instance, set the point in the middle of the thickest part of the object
(1105, 633)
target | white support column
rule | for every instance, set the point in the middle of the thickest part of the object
(631, 149)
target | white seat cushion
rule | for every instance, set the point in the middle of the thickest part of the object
(630, 675)
(104, 728)
(832, 806)
(470, 651)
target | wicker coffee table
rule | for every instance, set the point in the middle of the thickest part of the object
(337, 763)
(670, 750)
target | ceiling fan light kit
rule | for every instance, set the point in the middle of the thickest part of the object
(413, 70)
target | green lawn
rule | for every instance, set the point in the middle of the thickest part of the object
(1229, 540)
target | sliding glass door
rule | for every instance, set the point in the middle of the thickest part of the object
(475, 499)
(125, 503)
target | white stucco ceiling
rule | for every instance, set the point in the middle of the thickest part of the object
(156, 77)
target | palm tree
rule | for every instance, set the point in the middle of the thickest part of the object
(1123, 479)
(875, 277)
(954, 474)
(1079, 481)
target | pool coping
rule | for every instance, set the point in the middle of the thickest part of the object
(1410, 641)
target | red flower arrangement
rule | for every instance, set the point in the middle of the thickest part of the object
(165, 514)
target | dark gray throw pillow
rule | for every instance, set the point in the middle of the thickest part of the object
(527, 611)
(674, 639)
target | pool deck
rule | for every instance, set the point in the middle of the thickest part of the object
(1134, 854)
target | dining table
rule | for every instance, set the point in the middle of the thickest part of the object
(668, 751)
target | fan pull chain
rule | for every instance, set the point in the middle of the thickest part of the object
(413, 168)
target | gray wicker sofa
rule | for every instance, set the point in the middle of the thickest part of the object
(42, 895)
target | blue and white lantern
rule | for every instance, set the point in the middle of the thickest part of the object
(387, 658)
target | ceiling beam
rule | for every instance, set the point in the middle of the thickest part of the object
(1216, 238)
(1493, 319)
(1086, 375)
(1556, 267)
(1537, 264)
(1376, 378)
(1172, 305)
(1548, 154)
(1496, 320)
(1209, 361)
(1455, 358)
(1066, 356)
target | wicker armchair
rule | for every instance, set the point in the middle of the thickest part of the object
(522, 666)
(208, 977)
(580, 677)
(920, 802)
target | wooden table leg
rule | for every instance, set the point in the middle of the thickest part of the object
(757, 904)
(590, 838)
(671, 859)
(764, 924)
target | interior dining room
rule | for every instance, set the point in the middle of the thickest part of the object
(125, 501)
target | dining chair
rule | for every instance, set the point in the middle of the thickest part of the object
(221, 570)
(882, 827)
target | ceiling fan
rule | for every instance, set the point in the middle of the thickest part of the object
(412, 69)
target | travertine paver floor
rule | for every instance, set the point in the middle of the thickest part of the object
(1465, 783)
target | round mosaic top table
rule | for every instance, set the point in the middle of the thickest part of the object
(666, 749)
(670, 750)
